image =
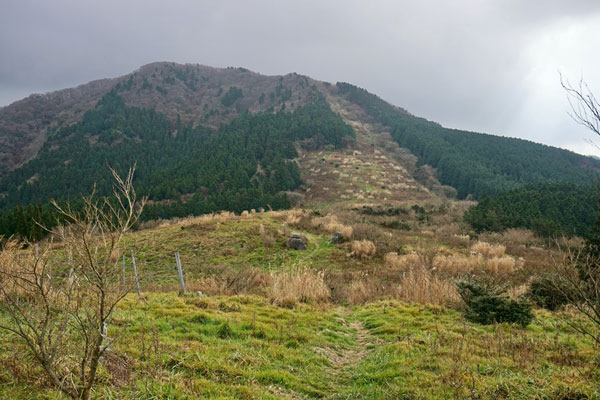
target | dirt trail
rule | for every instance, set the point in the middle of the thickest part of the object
(343, 359)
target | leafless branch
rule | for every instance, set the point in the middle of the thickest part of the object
(59, 309)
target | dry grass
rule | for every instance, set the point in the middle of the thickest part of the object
(401, 262)
(362, 249)
(267, 239)
(299, 285)
(488, 250)
(337, 227)
(293, 219)
(359, 292)
(421, 286)
(501, 265)
(457, 264)
(231, 282)
(330, 224)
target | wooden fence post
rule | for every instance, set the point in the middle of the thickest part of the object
(124, 281)
(137, 282)
(180, 272)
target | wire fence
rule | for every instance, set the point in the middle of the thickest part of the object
(163, 270)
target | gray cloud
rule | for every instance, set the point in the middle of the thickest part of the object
(488, 66)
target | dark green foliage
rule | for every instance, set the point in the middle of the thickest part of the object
(487, 304)
(28, 222)
(544, 292)
(246, 164)
(390, 211)
(473, 163)
(547, 209)
(396, 224)
(232, 95)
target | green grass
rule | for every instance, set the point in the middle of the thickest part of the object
(208, 248)
(242, 347)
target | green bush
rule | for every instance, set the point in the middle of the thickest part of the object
(544, 292)
(487, 304)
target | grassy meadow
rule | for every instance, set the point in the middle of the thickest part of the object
(374, 317)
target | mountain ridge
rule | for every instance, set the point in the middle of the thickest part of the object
(207, 139)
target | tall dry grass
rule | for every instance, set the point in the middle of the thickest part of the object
(362, 249)
(401, 262)
(421, 286)
(488, 250)
(458, 264)
(298, 285)
(330, 224)
(501, 265)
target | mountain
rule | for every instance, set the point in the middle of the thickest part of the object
(206, 139)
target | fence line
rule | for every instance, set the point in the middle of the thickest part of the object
(137, 282)
(156, 273)
(180, 273)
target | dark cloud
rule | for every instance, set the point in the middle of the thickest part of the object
(481, 65)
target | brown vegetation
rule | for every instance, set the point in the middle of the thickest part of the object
(488, 250)
(362, 249)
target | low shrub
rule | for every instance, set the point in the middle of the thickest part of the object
(544, 292)
(487, 304)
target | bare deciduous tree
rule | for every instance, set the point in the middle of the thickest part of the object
(577, 278)
(59, 303)
(577, 275)
(585, 109)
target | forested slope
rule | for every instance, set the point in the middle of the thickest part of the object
(473, 163)
(546, 208)
(245, 164)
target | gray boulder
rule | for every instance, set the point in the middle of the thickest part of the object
(296, 242)
(337, 238)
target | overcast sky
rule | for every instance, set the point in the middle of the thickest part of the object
(483, 65)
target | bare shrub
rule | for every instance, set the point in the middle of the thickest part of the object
(576, 276)
(523, 237)
(500, 265)
(488, 250)
(421, 286)
(60, 309)
(362, 249)
(298, 285)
